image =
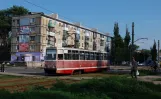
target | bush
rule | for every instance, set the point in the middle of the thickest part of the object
(107, 88)
(38, 88)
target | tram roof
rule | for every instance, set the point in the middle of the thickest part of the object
(76, 49)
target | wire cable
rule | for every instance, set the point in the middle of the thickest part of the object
(59, 14)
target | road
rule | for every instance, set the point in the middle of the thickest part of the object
(40, 72)
(24, 70)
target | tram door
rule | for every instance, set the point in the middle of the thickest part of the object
(60, 58)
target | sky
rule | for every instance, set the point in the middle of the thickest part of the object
(102, 14)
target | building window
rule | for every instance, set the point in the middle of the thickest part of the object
(17, 58)
(32, 47)
(65, 34)
(17, 47)
(101, 36)
(32, 38)
(33, 58)
(102, 43)
(59, 24)
(32, 20)
(32, 29)
(18, 38)
(18, 21)
(38, 38)
(18, 30)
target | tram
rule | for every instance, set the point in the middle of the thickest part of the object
(71, 61)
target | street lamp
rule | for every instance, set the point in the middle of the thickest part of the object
(140, 39)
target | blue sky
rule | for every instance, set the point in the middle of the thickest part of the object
(102, 14)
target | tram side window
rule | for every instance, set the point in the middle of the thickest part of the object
(108, 56)
(66, 56)
(73, 55)
(91, 56)
(94, 56)
(101, 56)
(82, 56)
(97, 56)
(105, 56)
(76, 55)
(70, 57)
(87, 56)
(60, 56)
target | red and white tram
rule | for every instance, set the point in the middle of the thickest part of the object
(71, 60)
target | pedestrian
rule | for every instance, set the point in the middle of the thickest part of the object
(155, 66)
(134, 68)
(2, 67)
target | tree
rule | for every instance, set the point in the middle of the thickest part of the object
(126, 45)
(154, 51)
(6, 20)
(5, 28)
(118, 44)
(142, 55)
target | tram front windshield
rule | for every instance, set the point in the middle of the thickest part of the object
(51, 54)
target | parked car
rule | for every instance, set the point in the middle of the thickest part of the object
(142, 64)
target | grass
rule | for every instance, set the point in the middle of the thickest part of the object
(9, 76)
(95, 75)
(147, 72)
(106, 88)
(158, 79)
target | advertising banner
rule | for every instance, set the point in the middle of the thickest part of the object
(23, 47)
(25, 30)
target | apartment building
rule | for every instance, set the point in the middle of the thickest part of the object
(33, 33)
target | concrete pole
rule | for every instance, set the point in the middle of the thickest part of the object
(158, 50)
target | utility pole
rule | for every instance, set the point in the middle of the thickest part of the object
(158, 50)
(132, 46)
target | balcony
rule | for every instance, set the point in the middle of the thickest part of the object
(51, 39)
(94, 46)
(64, 44)
(94, 36)
(77, 44)
(102, 38)
(51, 34)
(86, 38)
(65, 28)
(51, 43)
(78, 32)
(86, 45)
(77, 37)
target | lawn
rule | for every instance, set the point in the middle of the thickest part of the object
(115, 87)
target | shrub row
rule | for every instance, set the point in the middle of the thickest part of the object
(107, 88)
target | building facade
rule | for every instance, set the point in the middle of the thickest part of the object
(33, 33)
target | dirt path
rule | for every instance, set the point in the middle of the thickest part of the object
(151, 79)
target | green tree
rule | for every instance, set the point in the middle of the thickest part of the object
(5, 28)
(118, 44)
(154, 51)
(142, 55)
(6, 20)
(126, 45)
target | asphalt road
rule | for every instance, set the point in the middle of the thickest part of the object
(24, 70)
(40, 72)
